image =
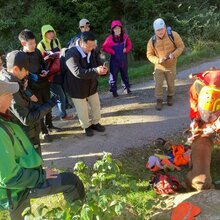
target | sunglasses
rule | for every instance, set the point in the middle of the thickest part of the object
(87, 25)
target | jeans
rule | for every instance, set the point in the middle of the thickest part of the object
(58, 90)
(67, 183)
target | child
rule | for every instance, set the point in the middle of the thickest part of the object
(118, 44)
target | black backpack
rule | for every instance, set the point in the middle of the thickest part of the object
(170, 35)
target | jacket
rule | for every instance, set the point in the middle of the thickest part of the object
(24, 112)
(163, 47)
(36, 65)
(48, 46)
(20, 164)
(81, 78)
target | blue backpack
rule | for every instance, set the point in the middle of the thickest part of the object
(170, 35)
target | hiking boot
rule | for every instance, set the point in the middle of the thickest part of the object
(89, 131)
(115, 94)
(46, 138)
(159, 104)
(98, 127)
(67, 117)
(129, 91)
(54, 129)
(169, 100)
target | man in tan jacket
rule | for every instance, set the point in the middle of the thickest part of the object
(162, 50)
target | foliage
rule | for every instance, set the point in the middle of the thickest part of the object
(109, 193)
(194, 20)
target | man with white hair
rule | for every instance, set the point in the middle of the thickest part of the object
(163, 49)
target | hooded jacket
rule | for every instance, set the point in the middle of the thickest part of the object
(55, 43)
(111, 47)
(20, 164)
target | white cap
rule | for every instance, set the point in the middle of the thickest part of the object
(83, 22)
(159, 24)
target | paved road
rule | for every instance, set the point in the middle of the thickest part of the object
(131, 122)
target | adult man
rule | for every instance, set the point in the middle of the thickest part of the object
(38, 81)
(83, 69)
(21, 173)
(25, 112)
(162, 50)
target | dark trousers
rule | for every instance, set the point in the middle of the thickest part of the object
(116, 67)
(43, 95)
(67, 183)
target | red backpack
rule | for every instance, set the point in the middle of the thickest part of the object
(164, 183)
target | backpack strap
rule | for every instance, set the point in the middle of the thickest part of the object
(51, 44)
(43, 45)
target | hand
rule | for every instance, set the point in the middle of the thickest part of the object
(102, 70)
(51, 174)
(44, 73)
(34, 98)
(171, 56)
(124, 50)
(161, 60)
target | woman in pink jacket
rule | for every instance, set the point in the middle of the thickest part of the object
(118, 45)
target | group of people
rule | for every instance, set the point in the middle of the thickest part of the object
(32, 74)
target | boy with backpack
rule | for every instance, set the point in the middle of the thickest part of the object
(163, 49)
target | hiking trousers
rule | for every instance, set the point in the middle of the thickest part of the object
(67, 183)
(86, 106)
(159, 77)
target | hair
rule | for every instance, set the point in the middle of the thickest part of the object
(121, 35)
(26, 35)
(86, 36)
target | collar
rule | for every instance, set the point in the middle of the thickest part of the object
(83, 54)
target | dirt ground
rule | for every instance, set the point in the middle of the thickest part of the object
(131, 121)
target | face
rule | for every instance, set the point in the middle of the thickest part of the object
(29, 46)
(85, 28)
(160, 32)
(117, 30)
(5, 102)
(88, 47)
(50, 35)
(20, 74)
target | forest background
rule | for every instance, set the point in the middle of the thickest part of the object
(198, 22)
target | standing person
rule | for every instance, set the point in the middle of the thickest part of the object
(50, 48)
(38, 81)
(163, 49)
(23, 110)
(118, 45)
(21, 173)
(83, 69)
(84, 25)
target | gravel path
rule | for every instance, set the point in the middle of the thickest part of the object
(131, 121)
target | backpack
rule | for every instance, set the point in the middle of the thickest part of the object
(164, 183)
(170, 35)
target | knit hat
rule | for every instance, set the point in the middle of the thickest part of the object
(8, 87)
(83, 22)
(159, 24)
(17, 58)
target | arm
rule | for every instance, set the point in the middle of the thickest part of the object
(179, 45)
(151, 55)
(128, 44)
(107, 46)
(73, 64)
(26, 112)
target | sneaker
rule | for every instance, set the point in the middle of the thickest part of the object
(54, 129)
(115, 94)
(89, 131)
(159, 104)
(67, 117)
(98, 127)
(46, 138)
(169, 100)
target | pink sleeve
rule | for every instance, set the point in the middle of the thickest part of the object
(128, 44)
(107, 46)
